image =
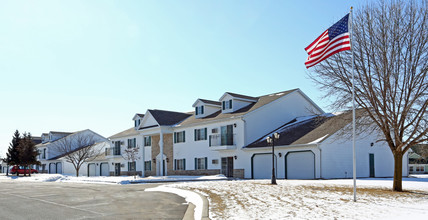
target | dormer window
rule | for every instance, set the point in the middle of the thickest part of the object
(137, 122)
(227, 104)
(199, 110)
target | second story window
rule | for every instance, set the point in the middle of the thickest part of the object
(179, 137)
(132, 143)
(227, 104)
(147, 141)
(116, 149)
(44, 154)
(200, 134)
(137, 122)
(199, 110)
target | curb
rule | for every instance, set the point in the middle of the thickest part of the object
(189, 214)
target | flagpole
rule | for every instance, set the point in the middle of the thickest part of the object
(354, 159)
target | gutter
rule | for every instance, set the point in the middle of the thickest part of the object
(319, 148)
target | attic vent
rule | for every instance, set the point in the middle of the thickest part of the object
(214, 130)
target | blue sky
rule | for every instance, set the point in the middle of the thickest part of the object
(73, 65)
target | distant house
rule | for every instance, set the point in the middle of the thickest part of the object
(228, 136)
(53, 161)
(417, 164)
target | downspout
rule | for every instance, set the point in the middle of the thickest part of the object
(245, 131)
(161, 152)
(319, 148)
(143, 170)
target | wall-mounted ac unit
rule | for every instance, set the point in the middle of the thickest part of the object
(214, 130)
(122, 143)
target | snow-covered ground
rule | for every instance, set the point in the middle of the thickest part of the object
(313, 199)
(107, 179)
(296, 199)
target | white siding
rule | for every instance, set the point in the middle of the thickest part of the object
(277, 113)
(337, 157)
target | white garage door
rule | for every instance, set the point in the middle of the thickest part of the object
(91, 169)
(104, 169)
(59, 167)
(52, 168)
(262, 166)
(300, 165)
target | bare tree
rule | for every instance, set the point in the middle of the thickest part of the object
(131, 155)
(77, 149)
(390, 43)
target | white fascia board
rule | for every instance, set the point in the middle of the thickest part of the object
(236, 98)
(207, 122)
(136, 116)
(279, 147)
(310, 100)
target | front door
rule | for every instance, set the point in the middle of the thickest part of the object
(117, 169)
(227, 166)
(371, 164)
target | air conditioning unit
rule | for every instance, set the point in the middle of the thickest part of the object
(122, 143)
(122, 165)
(214, 130)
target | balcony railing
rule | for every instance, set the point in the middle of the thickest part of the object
(112, 151)
(222, 140)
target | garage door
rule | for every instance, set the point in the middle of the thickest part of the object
(59, 167)
(52, 168)
(300, 165)
(91, 169)
(104, 169)
(262, 166)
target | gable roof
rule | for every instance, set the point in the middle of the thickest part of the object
(262, 100)
(206, 101)
(168, 117)
(306, 130)
(125, 133)
(239, 96)
(74, 150)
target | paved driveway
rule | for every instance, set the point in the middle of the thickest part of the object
(25, 200)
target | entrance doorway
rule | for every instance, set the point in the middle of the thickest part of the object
(117, 169)
(227, 166)
(371, 165)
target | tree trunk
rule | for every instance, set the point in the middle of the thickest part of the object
(29, 171)
(25, 170)
(398, 172)
(7, 170)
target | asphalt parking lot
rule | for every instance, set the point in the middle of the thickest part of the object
(50, 200)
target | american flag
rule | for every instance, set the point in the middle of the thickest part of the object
(333, 40)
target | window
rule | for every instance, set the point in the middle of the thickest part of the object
(179, 137)
(44, 154)
(137, 122)
(180, 164)
(226, 135)
(148, 141)
(411, 169)
(132, 166)
(116, 149)
(201, 163)
(147, 165)
(227, 104)
(132, 143)
(200, 134)
(199, 110)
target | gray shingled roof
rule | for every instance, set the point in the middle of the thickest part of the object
(168, 117)
(141, 115)
(210, 102)
(262, 100)
(125, 133)
(242, 96)
(306, 130)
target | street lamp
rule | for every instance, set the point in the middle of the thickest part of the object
(271, 140)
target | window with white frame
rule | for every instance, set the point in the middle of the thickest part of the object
(227, 104)
(132, 143)
(201, 163)
(132, 166)
(137, 122)
(199, 110)
(147, 141)
(179, 137)
(148, 165)
(200, 134)
(180, 164)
